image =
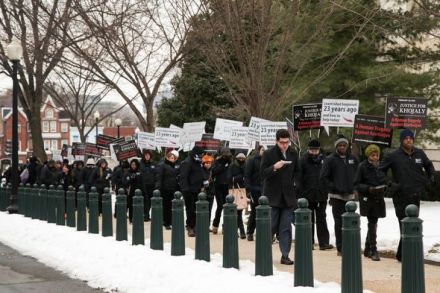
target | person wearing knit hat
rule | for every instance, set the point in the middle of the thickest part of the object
(412, 173)
(314, 144)
(337, 180)
(371, 183)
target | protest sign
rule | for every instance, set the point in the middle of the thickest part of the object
(193, 131)
(146, 140)
(307, 116)
(208, 142)
(102, 141)
(64, 151)
(238, 138)
(254, 129)
(371, 129)
(223, 127)
(92, 150)
(125, 150)
(338, 113)
(268, 131)
(406, 112)
(294, 135)
(56, 155)
(78, 149)
(167, 137)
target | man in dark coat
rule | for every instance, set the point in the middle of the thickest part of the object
(311, 163)
(34, 169)
(48, 175)
(412, 173)
(148, 174)
(191, 182)
(119, 174)
(370, 183)
(279, 169)
(337, 179)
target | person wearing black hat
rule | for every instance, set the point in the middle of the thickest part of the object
(311, 163)
(191, 181)
(412, 173)
(337, 180)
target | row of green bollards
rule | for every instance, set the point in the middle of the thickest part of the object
(48, 204)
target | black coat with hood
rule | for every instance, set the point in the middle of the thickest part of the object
(191, 172)
(310, 169)
(48, 175)
(167, 174)
(100, 177)
(148, 171)
(252, 175)
(133, 179)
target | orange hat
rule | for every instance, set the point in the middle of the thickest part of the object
(207, 159)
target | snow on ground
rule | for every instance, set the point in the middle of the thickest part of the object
(118, 266)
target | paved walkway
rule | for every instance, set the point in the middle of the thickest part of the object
(23, 274)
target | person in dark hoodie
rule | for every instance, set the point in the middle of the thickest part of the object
(119, 174)
(191, 183)
(48, 175)
(310, 168)
(148, 172)
(221, 177)
(34, 169)
(236, 175)
(166, 181)
(132, 181)
(78, 174)
(100, 179)
(337, 180)
(252, 181)
(89, 169)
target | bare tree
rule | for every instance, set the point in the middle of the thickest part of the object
(135, 46)
(35, 24)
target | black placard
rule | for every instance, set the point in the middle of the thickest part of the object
(406, 112)
(78, 149)
(307, 116)
(92, 150)
(208, 142)
(126, 150)
(64, 150)
(103, 141)
(372, 129)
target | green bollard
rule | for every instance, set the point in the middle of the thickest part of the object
(156, 236)
(70, 207)
(43, 203)
(138, 237)
(121, 215)
(107, 220)
(51, 205)
(263, 245)
(26, 200)
(3, 201)
(20, 199)
(230, 238)
(177, 225)
(202, 228)
(30, 205)
(351, 281)
(37, 202)
(93, 211)
(413, 270)
(303, 275)
(81, 224)
(61, 209)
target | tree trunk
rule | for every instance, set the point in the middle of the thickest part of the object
(37, 137)
(150, 118)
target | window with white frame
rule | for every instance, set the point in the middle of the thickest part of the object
(64, 127)
(53, 126)
(49, 113)
(45, 126)
(64, 141)
(54, 144)
(47, 144)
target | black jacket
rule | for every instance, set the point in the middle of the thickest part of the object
(371, 203)
(78, 177)
(166, 176)
(279, 186)
(66, 180)
(100, 178)
(220, 171)
(191, 175)
(236, 175)
(148, 172)
(48, 176)
(87, 174)
(310, 169)
(118, 177)
(337, 175)
(34, 171)
(132, 180)
(412, 173)
(252, 176)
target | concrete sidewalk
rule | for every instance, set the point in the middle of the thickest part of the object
(23, 274)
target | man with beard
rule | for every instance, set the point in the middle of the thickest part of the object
(311, 163)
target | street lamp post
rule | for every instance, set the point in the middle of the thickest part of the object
(118, 123)
(96, 115)
(14, 52)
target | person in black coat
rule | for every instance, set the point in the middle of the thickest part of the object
(78, 174)
(166, 181)
(119, 174)
(132, 181)
(279, 171)
(34, 169)
(337, 180)
(221, 177)
(236, 170)
(191, 183)
(48, 175)
(310, 166)
(252, 182)
(66, 178)
(88, 171)
(100, 178)
(370, 183)
(148, 172)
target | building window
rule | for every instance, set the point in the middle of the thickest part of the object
(49, 113)
(30, 145)
(64, 127)
(45, 126)
(53, 126)
(54, 144)
(64, 141)
(47, 145)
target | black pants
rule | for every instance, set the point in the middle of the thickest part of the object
(130, 207)
(167, 197)
(370, 241)
(338, 208)
(148, 194)
(190, 207)
(400, 206)
(240, 221)
(221, 191)
(254, 203)
(320, 218)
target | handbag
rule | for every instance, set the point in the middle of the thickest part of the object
(240, 198)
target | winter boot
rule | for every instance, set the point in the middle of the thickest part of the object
(374, 255)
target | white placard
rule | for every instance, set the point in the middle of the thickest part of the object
(167, 137)
(338, 113)
(193, 131)
(112, 152)
(238, 138)
(254, 129)
(223, 127)
(56, 155)
(268, 131)
(146, 140)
